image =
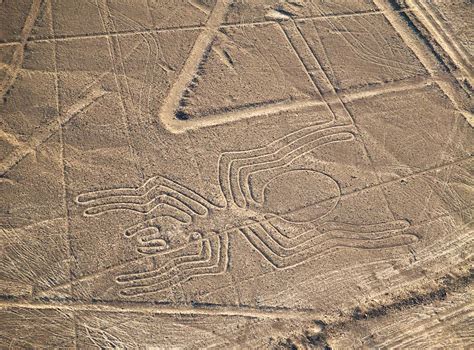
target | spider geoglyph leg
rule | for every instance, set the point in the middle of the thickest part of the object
(155, 200)
(235, 168)
(212, 259)
(284, 252)
(156, 193)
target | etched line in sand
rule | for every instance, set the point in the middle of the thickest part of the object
(118, 33)
(156, 309)
(171, 102)
(201, 247)
(425, 13)
(331, 99)
(272, 108)
(10, 138)
(428, 60)
(175, 118)
(284, 252)
(171, 253)
(146, 198)
(46, 131)
(68, 37)
(18, 54)
(309, 61)
(432, 326)
(200, 6)
(462, 234)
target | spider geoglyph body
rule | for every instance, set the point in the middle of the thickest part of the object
(281, 211)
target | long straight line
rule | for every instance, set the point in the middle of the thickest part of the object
(450, 87)
(160, 309)
(67, 37)
(270, 108)
(201, 46)
(18, 55)
(458, 55)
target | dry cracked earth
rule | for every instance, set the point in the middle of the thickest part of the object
(274, 174)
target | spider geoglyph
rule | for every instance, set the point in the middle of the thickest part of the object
(284, 216)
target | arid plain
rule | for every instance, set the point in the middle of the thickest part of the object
(287, 174)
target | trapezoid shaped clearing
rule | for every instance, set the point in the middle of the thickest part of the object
(243, 72)
(247, 66)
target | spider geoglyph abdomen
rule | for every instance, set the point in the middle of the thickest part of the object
(301, 195)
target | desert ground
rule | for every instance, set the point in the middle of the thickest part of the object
(226, 174)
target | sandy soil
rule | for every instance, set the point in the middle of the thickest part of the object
(288, 174)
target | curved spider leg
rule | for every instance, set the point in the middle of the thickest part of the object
(200, 204)
(173, 259)
(151, 223)
(152, 188)
(337, 230)
(213, 263)
(372, 235)
(286, 156)
(276, 255)
(158, 204)
(267, 233)
(230, 160)
(241, 182)
(164, 278)
(226, 160)
(86, 197)
(314, 243)
(151, 241)
(304, 247)
(141, 199)
(276, 235)
(280, 257)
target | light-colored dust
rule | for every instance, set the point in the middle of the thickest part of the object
(236, 174)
